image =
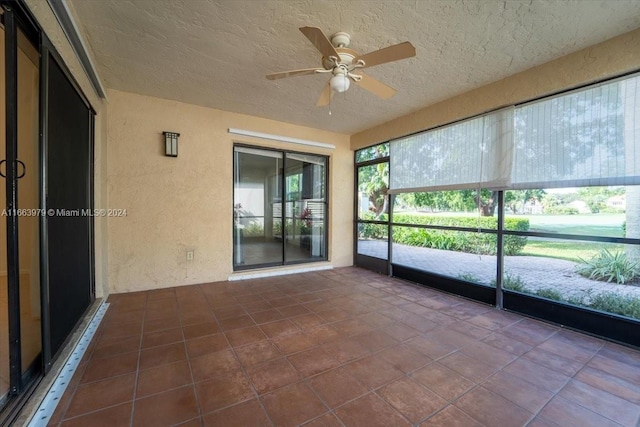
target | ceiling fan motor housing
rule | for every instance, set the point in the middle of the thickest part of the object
(346, 57)
(341, 39)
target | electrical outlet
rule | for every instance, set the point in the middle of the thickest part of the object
(189, 255)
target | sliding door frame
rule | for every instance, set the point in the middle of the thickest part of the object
(16, 19)
(11, 181)
(283, 186)
(48, 52)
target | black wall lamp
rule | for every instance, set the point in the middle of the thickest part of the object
(171, 144)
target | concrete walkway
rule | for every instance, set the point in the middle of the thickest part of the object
(536, 272)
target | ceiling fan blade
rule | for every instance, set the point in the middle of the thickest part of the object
(375, 86)
(325, 96)
(388, 54)
(292, 73)
(320, 41)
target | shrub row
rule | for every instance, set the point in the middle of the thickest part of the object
(461, 241)
(609, 302)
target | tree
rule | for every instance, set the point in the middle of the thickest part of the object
(439, 201)
(454, 201)
(370, 153)
(373, 180)
(486, 201)
(596, 197)
(516, 200)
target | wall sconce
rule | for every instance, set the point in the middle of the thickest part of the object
(171, 144)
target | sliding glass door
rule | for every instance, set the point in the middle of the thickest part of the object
(20, 310)
(4, 304)
(305, 207)
(28, 203)
(46, 166)
(257, 207)
(279, 208)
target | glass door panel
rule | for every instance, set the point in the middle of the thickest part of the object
(4, 305)
(305, 194)
(258, 226)
(28, 202)
(373, 205)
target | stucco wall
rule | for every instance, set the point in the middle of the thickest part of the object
(611, 58)
(185, 203)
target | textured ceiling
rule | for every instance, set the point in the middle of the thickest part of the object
(217, 53)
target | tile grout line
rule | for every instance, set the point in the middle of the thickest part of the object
(242, 367)
(135, 382)
(538, 413)
(304, 380)
(573, 378)
(481, 383)
(188, 357)
(556, 393)
(44, 412)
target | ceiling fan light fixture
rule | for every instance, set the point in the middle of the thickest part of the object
(340, 83)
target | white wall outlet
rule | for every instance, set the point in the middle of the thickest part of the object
(189, 255)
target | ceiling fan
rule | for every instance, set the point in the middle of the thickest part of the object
(341, 62)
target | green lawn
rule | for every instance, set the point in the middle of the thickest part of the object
(571, 251)
(606, 225)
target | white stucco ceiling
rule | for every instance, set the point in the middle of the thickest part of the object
(217, 53)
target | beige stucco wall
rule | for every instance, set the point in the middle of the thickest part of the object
(47, 20)
(611, 58)
(185, 203)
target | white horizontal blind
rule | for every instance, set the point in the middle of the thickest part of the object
(470, 154)
(590, 137)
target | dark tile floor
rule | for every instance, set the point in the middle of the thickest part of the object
(341, 347)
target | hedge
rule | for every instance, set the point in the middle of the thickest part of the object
(461, 241)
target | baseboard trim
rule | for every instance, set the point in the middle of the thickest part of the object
(259, 274)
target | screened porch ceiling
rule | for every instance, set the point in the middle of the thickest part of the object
(217, 53)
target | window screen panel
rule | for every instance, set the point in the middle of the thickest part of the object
(590, 137)
(470, 154)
